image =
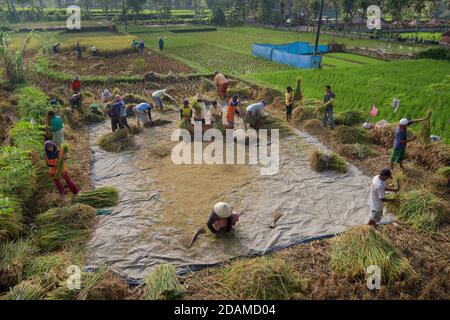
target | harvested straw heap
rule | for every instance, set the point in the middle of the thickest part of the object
(349, 118)
(346, 134)
(104, 197)
(10, 218)
(58, 227)
(320, 162)
(421, 209)
(116, 141)
(14, 256)
(162, 284)
(26, 290)
(359, 248)
(263, 278)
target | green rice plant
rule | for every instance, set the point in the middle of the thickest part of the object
(363, 151)
(263, 278)
(49, 270)
(305, 113)
(425, 132)
(104, 197)
(14, 256)
(17, 174)
(272, 122)
(320, 162)
(59, 227)
(27, 136)
(359, 248)
(92, 117)
(349, 118)
(60, 165)
(10, 218)
(421, 209)
(25, 290)
(117, 141)
(13, 59)
(34, 104)
(162, 284)
(345, 134)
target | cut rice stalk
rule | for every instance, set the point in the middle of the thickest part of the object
(320, 162)
(162, 284)
(104, 197)
(116, 141)
(26, 290)
(359, 248)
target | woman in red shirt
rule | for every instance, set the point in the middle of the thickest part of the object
(76, 85)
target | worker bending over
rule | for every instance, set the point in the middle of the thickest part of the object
(253, 112)
(222, 218)
(157, 98)
(143, 113)
(56, 127)
(377, 196)
(221, 84)
(233, 106)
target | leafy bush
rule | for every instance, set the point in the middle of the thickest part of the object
(27, 136)
(13, 60)
(435, 53)
(17, 175)
(33, 103)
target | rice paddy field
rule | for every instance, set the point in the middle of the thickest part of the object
(42, 233)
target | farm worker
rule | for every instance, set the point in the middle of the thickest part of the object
(377, 196)
(123, 111)
(55, 48)
(252, 113)
(215, 114)
(186, 110)
(328, 104)
(233, 105)
(113, 112)
(79, 52)
(221, 84)
(56, 127)
(76, 102)
(135, 44)
(161, 44)
(143, 113)
(76, 84)
(52, 156)
(222, 218)
(289, 103)
(401, 140)
(141, 47)
(106, 95)
(157, 97)
(94, 51)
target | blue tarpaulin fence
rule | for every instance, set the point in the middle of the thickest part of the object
(296, 54)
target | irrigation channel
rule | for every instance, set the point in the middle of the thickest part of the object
(161, 203)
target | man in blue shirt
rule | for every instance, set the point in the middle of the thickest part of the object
(143, 113)
(328, 104)
(401, 141)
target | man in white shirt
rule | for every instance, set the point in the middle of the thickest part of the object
(252, 113)
(157, 98)
(377, 196)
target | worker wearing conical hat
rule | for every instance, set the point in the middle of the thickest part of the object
(222, 218)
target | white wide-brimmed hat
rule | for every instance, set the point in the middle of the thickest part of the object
(404, 122)
(223, 210)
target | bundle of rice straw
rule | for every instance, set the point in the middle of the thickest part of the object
(60, 165)
(346, 134)
(320, 162)
(25, 290)
(162, 284)
(104, 197)
(116, 141)
(361, 247)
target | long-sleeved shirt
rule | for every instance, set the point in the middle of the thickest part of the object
(56, 124)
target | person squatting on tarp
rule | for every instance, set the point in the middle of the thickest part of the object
(143, 113)
(157, 98)
(328, 105)
(233, 106)
(113, 112)
(253, 112)
(401, 141)
(186, 111)
(221, 84)
(222, 218)
(377, 196)
(56, 126)
(289, 103)
(123, 111)
(53, 155)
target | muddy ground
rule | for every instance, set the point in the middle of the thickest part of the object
(120, 65)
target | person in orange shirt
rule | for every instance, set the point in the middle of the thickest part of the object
(233, 106)
(52, 156)
(221, 84)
